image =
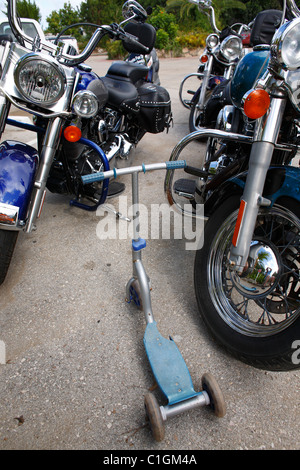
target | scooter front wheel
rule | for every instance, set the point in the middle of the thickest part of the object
(8, 239)
(255, 316)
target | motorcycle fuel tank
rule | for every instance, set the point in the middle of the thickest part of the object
(251, 67)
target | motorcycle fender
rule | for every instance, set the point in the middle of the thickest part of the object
(18, 163)
(281, 182)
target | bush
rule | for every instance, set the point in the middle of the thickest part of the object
(115, 50)
(166, 28)
(192, 40)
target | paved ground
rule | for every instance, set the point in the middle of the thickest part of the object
(76, 369)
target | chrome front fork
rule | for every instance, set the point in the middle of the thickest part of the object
(49, 148)
(265, 137)
(206, 76)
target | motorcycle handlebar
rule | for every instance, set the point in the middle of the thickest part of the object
(73, 60)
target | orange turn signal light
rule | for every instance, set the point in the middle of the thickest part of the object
(204, 59)
(256, 103)
(72, 133)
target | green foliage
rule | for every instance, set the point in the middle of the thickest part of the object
(26, 9)
(178, 23)
(253, 7)
(101, 11)
(115, 50)
(166, 28)
(192, 40)
(58, 20)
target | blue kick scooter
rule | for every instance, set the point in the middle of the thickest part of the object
(168, 366)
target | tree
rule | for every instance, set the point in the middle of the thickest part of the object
(58, 20)
(26, 9)
(187, 9)
(101, 11)
(253, 7)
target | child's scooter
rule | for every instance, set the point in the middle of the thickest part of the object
(168, 366)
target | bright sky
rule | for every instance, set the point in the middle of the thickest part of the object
(45, 6)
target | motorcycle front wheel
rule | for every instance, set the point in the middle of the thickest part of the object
(8, 239)
(261, 329)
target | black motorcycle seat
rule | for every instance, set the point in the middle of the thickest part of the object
(127, 71)
(122, 95)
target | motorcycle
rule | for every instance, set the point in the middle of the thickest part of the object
(83, 123)
(151, 59)
(217, 63)
(246, 274)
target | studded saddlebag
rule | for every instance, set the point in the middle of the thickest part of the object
(155, 108)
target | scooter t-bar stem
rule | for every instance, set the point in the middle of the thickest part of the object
(102, 175)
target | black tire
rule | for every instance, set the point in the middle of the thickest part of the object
(8, 239)
(262, 332)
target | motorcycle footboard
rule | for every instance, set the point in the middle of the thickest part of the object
(168, 366)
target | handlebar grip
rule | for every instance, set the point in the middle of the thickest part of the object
(93, 177)
(133, 40)
(176, 164)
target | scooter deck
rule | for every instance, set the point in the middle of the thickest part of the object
(168, 366)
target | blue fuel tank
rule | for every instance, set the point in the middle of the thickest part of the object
(251, 67)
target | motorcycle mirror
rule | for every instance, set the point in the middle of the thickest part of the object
(132, 9)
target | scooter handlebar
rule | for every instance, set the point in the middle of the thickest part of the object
(100, 175)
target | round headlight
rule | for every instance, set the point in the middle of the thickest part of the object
(231, 48)
(212, 41)
(85, 104)
(39, 80)
(285, 46)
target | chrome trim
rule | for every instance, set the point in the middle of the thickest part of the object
(33, 58)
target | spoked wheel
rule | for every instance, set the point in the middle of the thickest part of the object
(153, 413)
(256, 316)
(217, 402)
(135, 294)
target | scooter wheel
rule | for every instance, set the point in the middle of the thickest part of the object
(217, 402)
(135, 294)
(155, 418)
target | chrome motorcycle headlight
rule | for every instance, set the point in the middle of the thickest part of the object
(39, 80)
(285, 47)
(231, 48)
(212, 41)
(85, 104)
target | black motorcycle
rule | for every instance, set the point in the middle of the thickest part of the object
(84, 123)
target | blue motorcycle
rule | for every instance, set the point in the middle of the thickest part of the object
(246, 274)
(84, 123)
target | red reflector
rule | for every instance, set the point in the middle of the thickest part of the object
(256, 103)
(238, 222)
(72, 133)
(6, 219)
(204, 59)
